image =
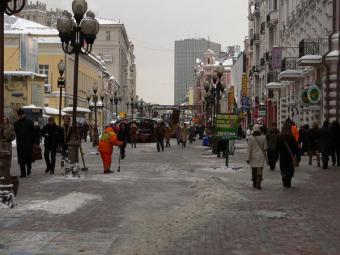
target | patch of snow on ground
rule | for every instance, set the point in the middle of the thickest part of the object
(272, 214)
(64, 205)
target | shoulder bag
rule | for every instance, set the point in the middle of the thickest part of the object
(294, 160)
(262, 149)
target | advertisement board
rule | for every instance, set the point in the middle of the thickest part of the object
(226, 126)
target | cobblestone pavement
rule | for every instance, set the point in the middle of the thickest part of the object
(182, 201)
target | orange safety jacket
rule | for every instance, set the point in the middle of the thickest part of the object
(295, 132)
(108, 140)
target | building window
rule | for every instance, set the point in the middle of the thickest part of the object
(44, 69)
(108, 35)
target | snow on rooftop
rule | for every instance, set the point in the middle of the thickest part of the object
(228, 62)
(52, 40)
(23, 74)
(103, 21)
(15, 25)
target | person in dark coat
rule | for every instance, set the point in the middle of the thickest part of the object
(86, 129)
(123, 136)
(287, 149)
(314, 143)
(51, 134)
(160, 135)
(37, 133)
(325, 144)
(272, 138)
(24, 131)
(335, 132)
(304, 139)
(65, 135)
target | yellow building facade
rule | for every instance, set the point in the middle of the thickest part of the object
(40, 52)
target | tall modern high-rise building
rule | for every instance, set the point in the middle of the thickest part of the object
(186, 53)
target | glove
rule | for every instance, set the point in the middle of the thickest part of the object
(248, 162)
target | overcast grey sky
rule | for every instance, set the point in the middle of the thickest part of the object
(154, 25)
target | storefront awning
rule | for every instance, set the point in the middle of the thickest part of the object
(79, 110)
(290, 75)
(310, 60)
(273, 85)
(52, 111)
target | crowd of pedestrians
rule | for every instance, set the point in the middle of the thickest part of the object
(269, 146)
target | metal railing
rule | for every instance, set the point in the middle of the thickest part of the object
(318, 46)
(289, 63)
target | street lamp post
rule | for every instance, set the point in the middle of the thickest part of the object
(219, 86)
(116, 99)
(9, 7)
(94, 97)
(61, 85)
(77, 36)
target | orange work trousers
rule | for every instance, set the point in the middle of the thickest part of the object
(106, 157)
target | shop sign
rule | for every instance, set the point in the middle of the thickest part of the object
(245, 104)
(304, 96)
(314, 94)
(262, 110)
(244, 84)
(226, 126)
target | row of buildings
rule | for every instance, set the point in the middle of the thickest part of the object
(292, 61)
(289, 68)
(196, 61)
(32, 54)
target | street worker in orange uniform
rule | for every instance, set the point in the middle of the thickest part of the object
(107, 141)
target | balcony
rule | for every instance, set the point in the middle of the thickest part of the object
(289, 63)
(311, 51)
(290, 70)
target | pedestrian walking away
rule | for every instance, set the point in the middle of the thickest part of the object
(106, 143)
(184, 135)
(256, 155)
(160, 134)
(314, 144)
(178, 134)
(133, 134)
(167, 135)
(325, 144)
(335, 132)
(272, 137)
(86, 129)
(289, 156)
(51, 134)
(123, 136)
(24, 131)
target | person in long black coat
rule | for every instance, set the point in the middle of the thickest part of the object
(123, 136)
(287, 148)
(325, 144)
(24, 131)
(51, 134)
(335, 132)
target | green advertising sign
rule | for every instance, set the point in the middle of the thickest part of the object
(226, 126)
(314, 94)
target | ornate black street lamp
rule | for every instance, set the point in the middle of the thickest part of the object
(61, 85)
(115, 99)
(9, 7)
(77, 36)
(94, 106)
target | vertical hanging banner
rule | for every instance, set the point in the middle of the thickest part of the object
(244, 85)
(277, 57)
